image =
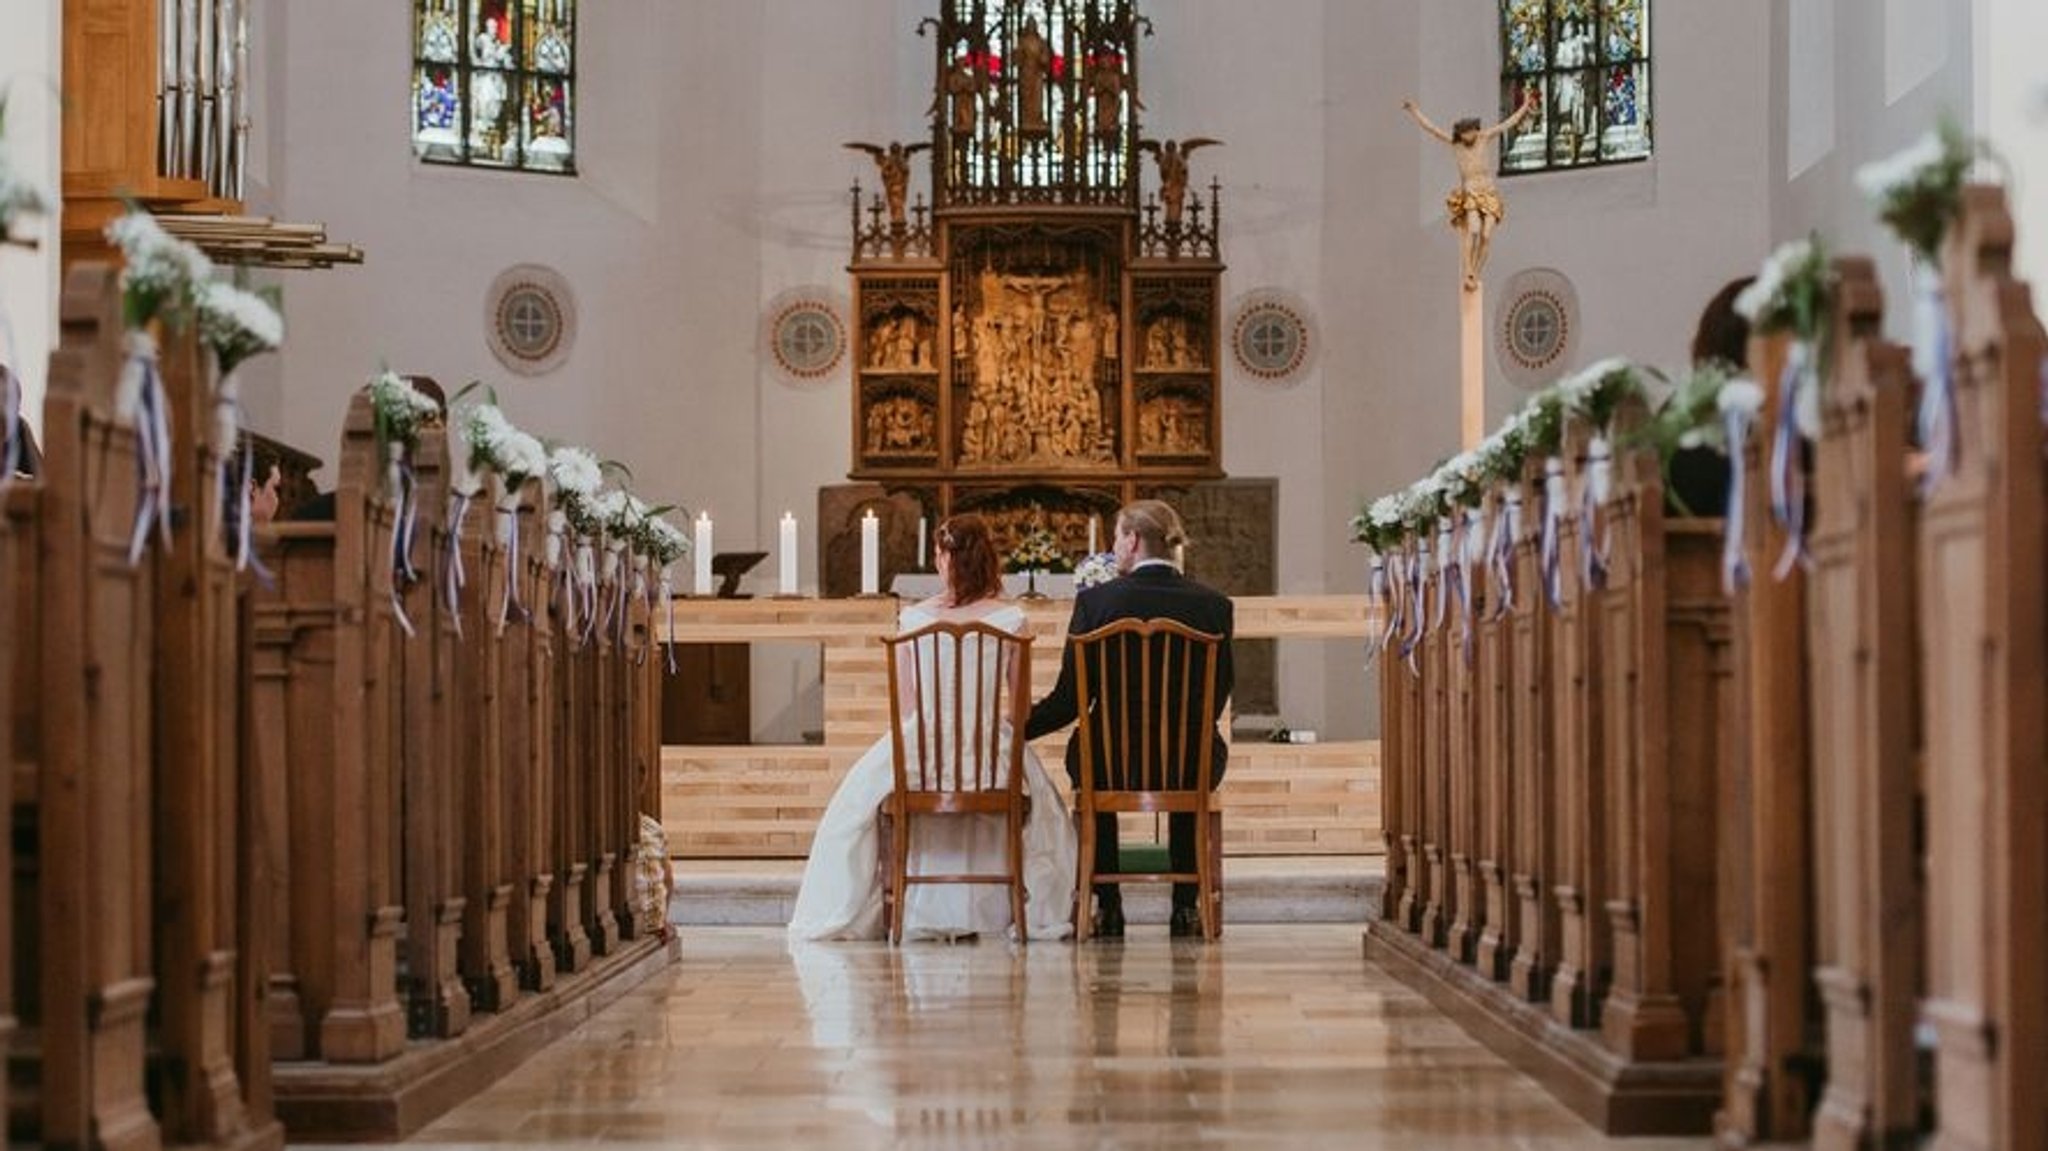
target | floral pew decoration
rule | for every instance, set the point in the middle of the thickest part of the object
(162, 278)
(400, 411)
(489, 445)
(1919, 195)
(237, 324)
(577, 477)
(659, 543)
(1790, 296)
(1450, 507)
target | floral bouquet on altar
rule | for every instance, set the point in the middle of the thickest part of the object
(1038, 551)
(1095, 570)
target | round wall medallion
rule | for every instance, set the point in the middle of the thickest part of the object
(1271, 339)
(530, 317)
(805, 333)
(1535, 331)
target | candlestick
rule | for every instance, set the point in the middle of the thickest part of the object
(870, 554)
(701, 556)
(920, 543)
(787, 559)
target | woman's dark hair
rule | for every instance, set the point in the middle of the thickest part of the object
(1722, 333)
(975, 573)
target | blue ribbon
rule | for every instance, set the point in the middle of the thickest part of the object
(1734, 558)
(1935, 353)
(152, 457)
(1788, 475)
(1593, 544)
(1554, 499)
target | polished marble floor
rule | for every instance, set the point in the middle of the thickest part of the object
(1277, 1036)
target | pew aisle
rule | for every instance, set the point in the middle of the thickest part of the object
(1708, 846)
(324, 854)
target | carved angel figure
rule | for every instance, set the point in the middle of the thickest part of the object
(1173, 173)
(894, 163)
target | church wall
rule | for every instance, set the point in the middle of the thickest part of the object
(1644, 244)
(31, 63)
(713, 180)
(2010, 105)
(1856, 82)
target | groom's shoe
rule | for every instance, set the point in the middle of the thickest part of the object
(1109, 923)
(1185, 924)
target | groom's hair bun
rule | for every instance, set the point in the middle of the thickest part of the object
(1156, 525)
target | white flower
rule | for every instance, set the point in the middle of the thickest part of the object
(1095, 570)
(575, 470)
(1765, 294)
(1881, 178)
(1385, 512)
(156, 265)
(401, 408)
(231, 309)
(18, 197)
(494, 443)
(1741, 395)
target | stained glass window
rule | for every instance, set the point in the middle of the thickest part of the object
(1588, 61)
(494, 83)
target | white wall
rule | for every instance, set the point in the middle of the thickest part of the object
(31, 60)
(2009, 106)
(1645, 244)
(712, 180)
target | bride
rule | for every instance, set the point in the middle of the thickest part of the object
(841, 895)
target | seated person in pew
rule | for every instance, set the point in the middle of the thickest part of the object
(841, 893)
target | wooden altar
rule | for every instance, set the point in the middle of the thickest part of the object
(1039, 343)
(764, 801)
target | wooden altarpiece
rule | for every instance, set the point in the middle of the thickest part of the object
(1040, 343)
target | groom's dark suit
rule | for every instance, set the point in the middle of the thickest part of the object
(1155, 591)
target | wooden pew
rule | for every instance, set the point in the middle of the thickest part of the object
(479, 757)
(92, 728)
(432, 830)
(525, 652)
(1531, 768)
(1861, 659)
(1493, 728)
(1666, 704)
(332, 623)
(1980, 564)
(202, 927)
(18, 594)
(1764, 822)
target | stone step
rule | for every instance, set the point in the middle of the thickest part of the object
(1256, 889)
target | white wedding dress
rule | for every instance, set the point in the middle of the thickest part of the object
(841, 894)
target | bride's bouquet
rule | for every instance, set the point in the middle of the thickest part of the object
(1095, 570)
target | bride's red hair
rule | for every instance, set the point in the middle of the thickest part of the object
(976, 573)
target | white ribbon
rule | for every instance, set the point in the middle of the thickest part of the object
(398, 489)
(510, 610)
(1788, 474)
(1934, 363)
(1555, 498)
(1593, 528)
(454, 576)
(140, 399)
(1376, 596)
(1418, 604)
(1446, 569)
(668, 597)
(1734, 558)
(1507, 529)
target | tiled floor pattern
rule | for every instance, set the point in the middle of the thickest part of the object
(1277, 1036)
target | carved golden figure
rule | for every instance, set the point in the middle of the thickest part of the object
(1107, 83)
(894, 163)
(962, 89)
(1034, 60)
(1474, 206)
(1173, 173)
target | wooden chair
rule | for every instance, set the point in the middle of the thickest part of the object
(1155, 754)
(947, 719)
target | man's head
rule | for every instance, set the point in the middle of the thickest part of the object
(1146, 530)
(1466, 130)
(266, 479)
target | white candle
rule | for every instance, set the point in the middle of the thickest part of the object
(701, 554)
(920, 543)
(787, 584)
(870, 554)
(1094, 531)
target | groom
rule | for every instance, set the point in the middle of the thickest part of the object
(1153, 588)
